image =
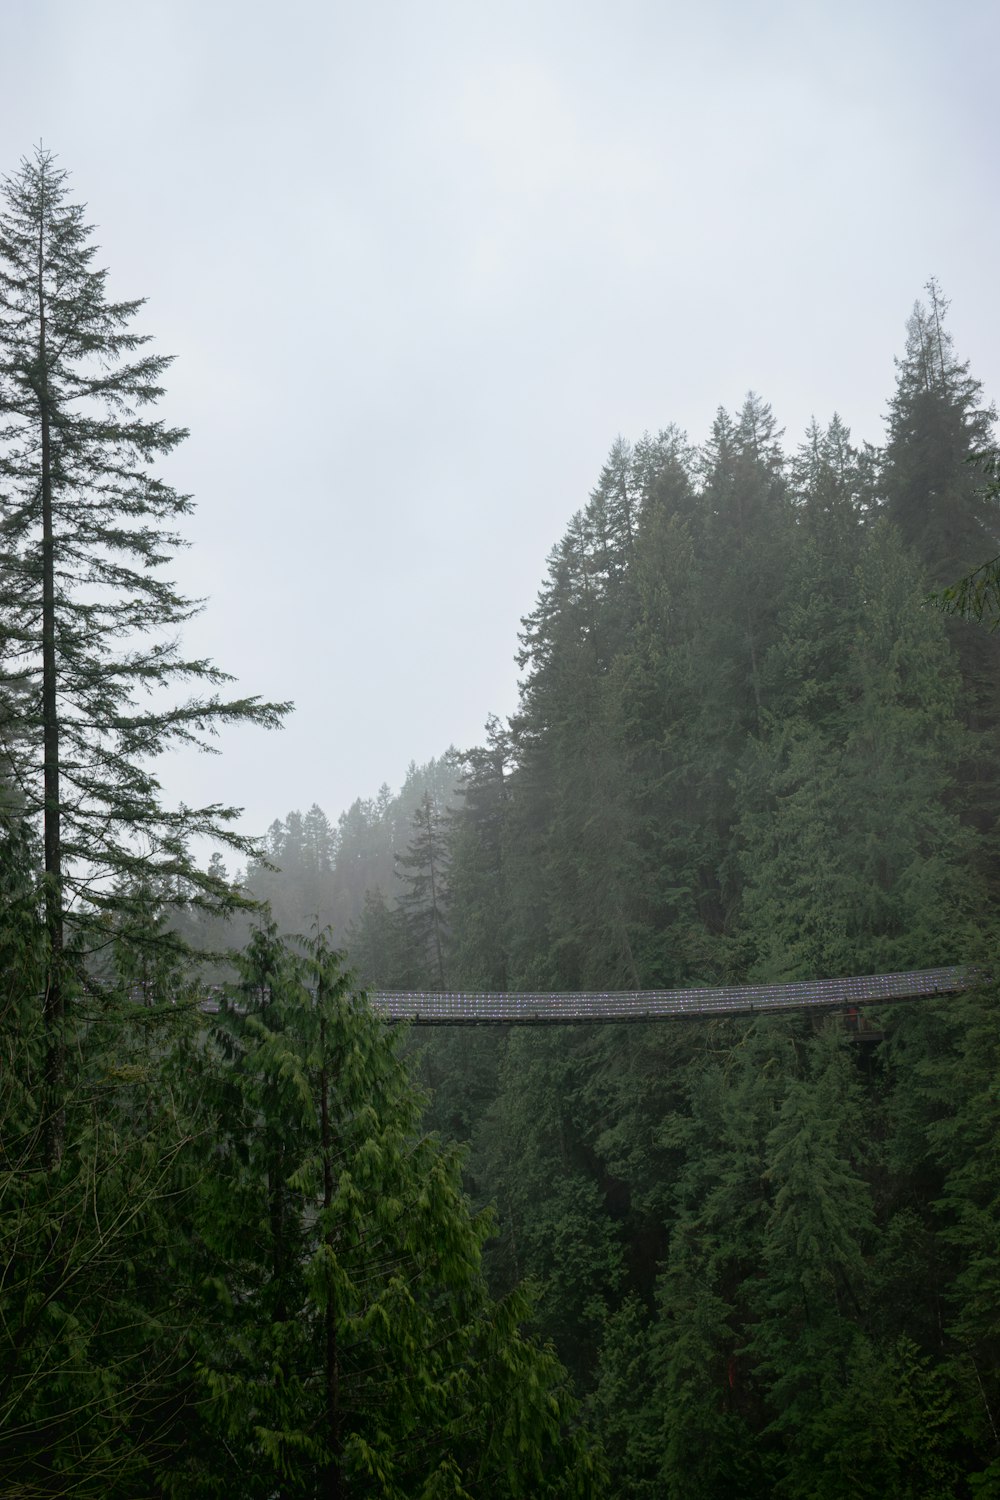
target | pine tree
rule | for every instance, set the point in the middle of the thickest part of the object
(937, 422)
(939, 458)
(748, 520)
(90, 625)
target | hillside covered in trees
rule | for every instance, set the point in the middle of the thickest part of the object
(749, 746)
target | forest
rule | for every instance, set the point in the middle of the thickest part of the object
(258, 1243)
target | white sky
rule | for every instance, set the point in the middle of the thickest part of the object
(421, 263)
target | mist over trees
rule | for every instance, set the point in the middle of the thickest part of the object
(748, 748)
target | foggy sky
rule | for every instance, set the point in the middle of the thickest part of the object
(420, 264)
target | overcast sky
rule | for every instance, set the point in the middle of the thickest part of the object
(421, 263)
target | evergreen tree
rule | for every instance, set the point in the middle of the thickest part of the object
(364, 857)
(296, 878)
(747, 533)
(578, 901)
(696, 686)
(937, 423)
(350, 1345)
(938, 460)
(85, 527)
(811, 1287)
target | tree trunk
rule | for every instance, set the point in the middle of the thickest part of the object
(332, 1490)
(55, 1000)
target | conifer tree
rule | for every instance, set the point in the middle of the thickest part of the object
(938, 420)
(351, 1346)
(89, 622)
(940, 454)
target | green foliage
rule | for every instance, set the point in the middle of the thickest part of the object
(92, 1310)
(937, 422)
(89, 639)
(355, 1337)
(252, 1270)
(854, 857)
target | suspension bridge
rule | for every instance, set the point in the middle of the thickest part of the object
(496, 1008)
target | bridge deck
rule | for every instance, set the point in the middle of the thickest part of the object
(472, 1008)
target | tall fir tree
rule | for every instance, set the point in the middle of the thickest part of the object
(938, 421)
(90, 624)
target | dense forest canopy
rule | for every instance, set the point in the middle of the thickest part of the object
(257, 1245)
